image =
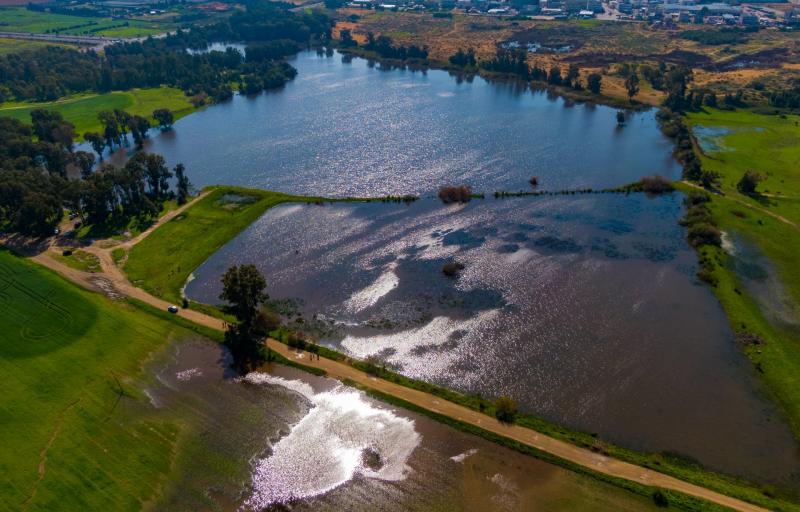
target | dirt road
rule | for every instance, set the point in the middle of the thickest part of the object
(114, 276)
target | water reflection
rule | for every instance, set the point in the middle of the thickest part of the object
(349, 129)
(584, 308)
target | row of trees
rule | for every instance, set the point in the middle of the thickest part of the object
(382, 45)
(514, 61)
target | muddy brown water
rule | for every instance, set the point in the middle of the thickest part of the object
(230, 425)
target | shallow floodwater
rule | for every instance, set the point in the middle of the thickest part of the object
(317, 445)
(583, 308)
(344, 128)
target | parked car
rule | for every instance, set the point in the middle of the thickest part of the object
(66, 252)
(172, 309)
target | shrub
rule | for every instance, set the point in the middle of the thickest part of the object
(452, 268)
(267, 321)
(505, 409)
(460, 194)
(656, 184)
(704, 233)
(660, 499)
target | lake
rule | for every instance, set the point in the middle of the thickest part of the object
(585, 308)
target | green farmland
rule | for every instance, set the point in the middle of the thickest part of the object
(67, 357)
(20, 19)
(82, 111)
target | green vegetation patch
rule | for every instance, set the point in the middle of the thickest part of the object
(162, 262)
(82, 110)
(67, 408)
(769, 146)
(81, 260)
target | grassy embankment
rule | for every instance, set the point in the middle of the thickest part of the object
(67, 357)
(768, 145)
(162, 262)
(20, 19)
(82, 110)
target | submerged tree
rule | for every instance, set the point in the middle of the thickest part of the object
(164, 117)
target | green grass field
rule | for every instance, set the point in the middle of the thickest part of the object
(71, 436)
(20, 19)
(162, 262)
(769, 145)
(82, 110)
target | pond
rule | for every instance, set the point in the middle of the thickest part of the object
(345, 128)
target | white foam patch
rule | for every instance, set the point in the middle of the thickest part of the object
(446, 94)
(436, 332)
(461, 457)
(285, 211)
(185, 375)
(368, 296)
(727, 244)
(324, 450)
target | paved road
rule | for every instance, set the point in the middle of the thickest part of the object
(597, 462)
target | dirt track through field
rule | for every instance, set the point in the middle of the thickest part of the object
(341, 371)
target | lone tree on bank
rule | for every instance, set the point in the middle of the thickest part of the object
(747, 185)
(505, 409)
(632, 86)
(594, 82)
(243, 289)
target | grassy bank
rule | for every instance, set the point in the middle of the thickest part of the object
(82, 110)
(766, 144)
(162, 262)
(67, 357)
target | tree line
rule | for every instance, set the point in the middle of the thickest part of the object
(35, 188)
(51, 72)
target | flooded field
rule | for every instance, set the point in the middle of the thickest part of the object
(312, 444)
(584, 308)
